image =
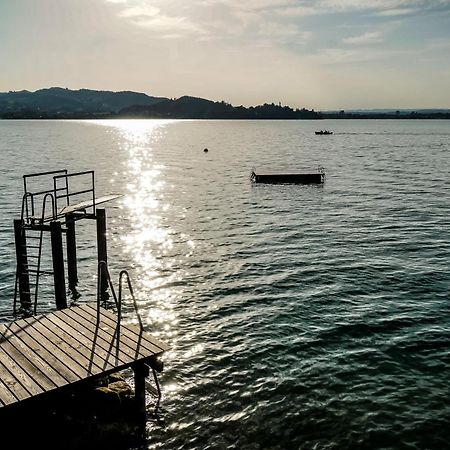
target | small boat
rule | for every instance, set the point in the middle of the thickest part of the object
(324, 132)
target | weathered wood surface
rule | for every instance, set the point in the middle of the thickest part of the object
(43, 353)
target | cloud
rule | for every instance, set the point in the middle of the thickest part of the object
(139, 11)
(380, 7)
(250, 5)
(397, 12)
(250, 21)
(281, 24)
(364, 39)
(160, 20)
(171, 27)
(348, 5)
(298, 11)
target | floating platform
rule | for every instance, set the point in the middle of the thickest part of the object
(307, 177)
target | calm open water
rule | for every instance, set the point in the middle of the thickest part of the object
(299, 316)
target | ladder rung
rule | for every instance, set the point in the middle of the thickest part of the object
(32, 246)
(33, 237)
(46, 272)
(41, 272)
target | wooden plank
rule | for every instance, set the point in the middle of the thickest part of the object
(66, 354)
(88, 204)
(57, 347)
(132, 352)
(91, 341)
(21, 359)
(78, 350)
(133, 343)
(130, 344)
(132, 331)
(83, 356)
(105, 336)
(34, 363)
(28, 383)
(37, 347)
(13, 384)
(6, 397)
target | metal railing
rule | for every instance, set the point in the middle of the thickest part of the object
(123, 275)
(59, 191)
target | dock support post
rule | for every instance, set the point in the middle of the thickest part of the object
(22, 265)
(102, 250)
(141, 371)
(58, 264)
(71, 244)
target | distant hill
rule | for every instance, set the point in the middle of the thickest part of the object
(387, 114)
(63, 103)
(59, 102)
(199, 108)
(391, 111)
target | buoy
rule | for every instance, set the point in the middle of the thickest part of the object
(205, 150)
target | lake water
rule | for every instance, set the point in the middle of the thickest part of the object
(298, 316)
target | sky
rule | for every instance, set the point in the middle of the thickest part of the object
(320, 54)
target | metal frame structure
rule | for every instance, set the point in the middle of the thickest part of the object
(57, 215)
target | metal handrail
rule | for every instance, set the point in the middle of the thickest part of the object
(66, 176)
(33, 195)
(103, 269)
(122, 274)
(71, 194)
(39, 174)
(44, 202)
(25, 205)
(102, 264)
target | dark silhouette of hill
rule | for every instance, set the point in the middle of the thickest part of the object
(58, 102)
(388, 114)
(62, 103)
(199, 108)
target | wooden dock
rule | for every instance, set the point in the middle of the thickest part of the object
(44, 353)
(51, 361)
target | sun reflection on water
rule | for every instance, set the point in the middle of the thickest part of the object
(147, 241)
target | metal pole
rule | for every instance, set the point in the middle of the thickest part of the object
(71, 245)
(102, 250)
(140, 373)
(58, 264)
(22, 265)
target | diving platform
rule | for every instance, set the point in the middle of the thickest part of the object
(52, 203)
(75, 208)
(74, 346)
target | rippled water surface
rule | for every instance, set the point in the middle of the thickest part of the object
(298, 316)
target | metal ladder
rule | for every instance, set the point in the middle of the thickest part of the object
(103, 272)
(30, 249)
